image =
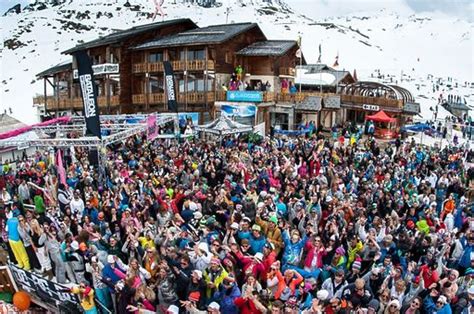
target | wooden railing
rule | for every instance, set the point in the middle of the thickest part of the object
(183, 98)
(192, 65)
(287, 71)
(139, 99)
(267, 96)
(139, 68)
(380, 101)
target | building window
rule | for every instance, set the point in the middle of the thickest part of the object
(196, 54)
(155, 57)
(228, 58)
(200, 85)
(156, 84)
(181, 86)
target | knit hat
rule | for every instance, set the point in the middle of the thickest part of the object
(256, 228)
(273, 219)
(194, 296)
(74, 245)
(340, 250)
(214, 306)
(374, 304)
(322, 295)
(198, 273)
(357, 265)
(442, 299)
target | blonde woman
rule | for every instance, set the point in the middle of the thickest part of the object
(39, 237)
(144, 297)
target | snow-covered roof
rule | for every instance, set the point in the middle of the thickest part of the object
(61, 67)
(268, 48)
(8, 123)
(213, 34)
(224, 126)
(319, 74)
(128, 33)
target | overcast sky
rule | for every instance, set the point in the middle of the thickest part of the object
(324, 8)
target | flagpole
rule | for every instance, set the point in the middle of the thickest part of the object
(301, 59)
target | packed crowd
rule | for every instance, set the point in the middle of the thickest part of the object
(289, 226)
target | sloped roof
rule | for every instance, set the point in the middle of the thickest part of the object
(268, 48)
(127, 33)
(8, 123)
(61, 67)
(319, 74)
(223, 126)
(214, 34)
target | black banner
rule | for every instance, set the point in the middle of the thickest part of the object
(89, 94)
(170, 88)
(46, 291)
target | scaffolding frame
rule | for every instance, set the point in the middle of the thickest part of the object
(117, 125)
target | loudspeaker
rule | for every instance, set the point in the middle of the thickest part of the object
(94, 157)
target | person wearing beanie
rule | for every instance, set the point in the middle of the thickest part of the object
(373, 306)
(335, 285)
(271, 231)
(355, 271)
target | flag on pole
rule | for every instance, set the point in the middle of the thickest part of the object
(336, 63)
(60, 166)
(298, 53)
(319, 58)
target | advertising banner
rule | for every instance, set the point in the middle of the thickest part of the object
(46, 291)
(170, 87)
(89, 94)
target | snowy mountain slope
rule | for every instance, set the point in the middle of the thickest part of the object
(413, 45)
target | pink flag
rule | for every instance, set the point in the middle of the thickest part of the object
(152, 130)
(61, 170)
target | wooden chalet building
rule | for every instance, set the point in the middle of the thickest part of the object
(128, 69)
(112, 65)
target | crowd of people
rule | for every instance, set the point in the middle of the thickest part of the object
(294, 225)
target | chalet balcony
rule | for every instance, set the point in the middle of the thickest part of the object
(299, 97)
(378, 101)
(180, 66)
(183, 98)
(287, 72)
(66, 103)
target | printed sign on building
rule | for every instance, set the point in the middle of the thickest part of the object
(249, 96)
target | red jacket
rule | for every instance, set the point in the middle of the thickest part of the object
(267, 264)
(246, 306)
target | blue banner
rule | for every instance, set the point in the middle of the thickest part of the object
(241, 111)
(248, 96)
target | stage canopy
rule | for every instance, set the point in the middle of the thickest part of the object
(224, 126)
(380, 116)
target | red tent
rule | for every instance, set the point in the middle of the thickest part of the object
(380, 116)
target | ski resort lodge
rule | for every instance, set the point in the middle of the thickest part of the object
(275, 84)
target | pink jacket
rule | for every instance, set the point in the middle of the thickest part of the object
(311, 252)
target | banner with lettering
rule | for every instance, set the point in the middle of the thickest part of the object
(170, 87)
(48, 292)
(89, 94)
(152, 129)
